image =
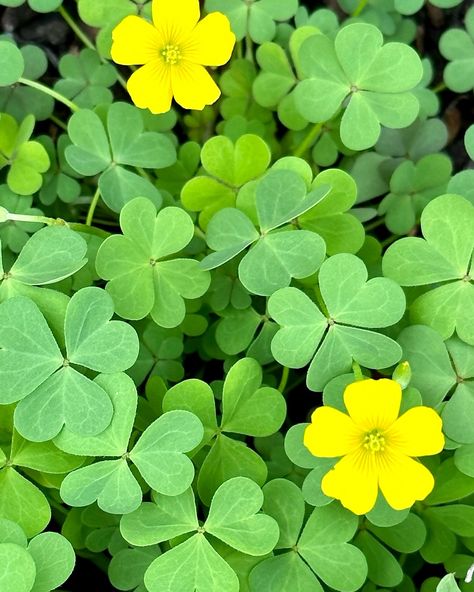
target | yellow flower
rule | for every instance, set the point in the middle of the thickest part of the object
(376, 446)
(172, 53)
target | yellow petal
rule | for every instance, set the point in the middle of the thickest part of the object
(373, 404)
(193, 87)
(403, 480)
(416, 433)
(135, 41)
(331, 433)
(211, 43)
(353, 481)
(150, 87)
(175, 19)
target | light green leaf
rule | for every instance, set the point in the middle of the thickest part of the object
(54, 558)
(19, 570)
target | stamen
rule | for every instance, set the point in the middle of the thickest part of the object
(374, 441)
(171, 54)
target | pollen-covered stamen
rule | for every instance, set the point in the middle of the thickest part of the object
(171, 54)
(374, 441)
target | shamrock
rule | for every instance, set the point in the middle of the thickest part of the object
(281, 196)
(320, 548)
(247, 408)
(412, 186)
(26, 159)
(233, 517)
(331, 341)
(52, 393)
(229, 167)
(444, 255)
(457, 46)
(86, 79)
(97, 151)
(449, 365)
(421, 138)
(143, 278)
(158, 454)
(356, 68)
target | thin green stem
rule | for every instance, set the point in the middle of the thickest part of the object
(78, 227)
(199, 233)
(309, 139)
(360, 7)
(143, 173)
(374, 224)
(58, 122)
(40, 219)
(357, 371)
(284, 379)
(75, 27)
(388, 241)
(48, 91)
(92, 207)
(439, 87)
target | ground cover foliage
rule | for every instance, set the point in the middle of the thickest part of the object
(179, 291)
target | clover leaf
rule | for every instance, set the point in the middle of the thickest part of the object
(412, 187)
(97, 151)
(457, 46)
(443, 256)
(12, 63)
(19, 100)
(448, 364)
(26, 159)
(228, 168)
(86, 79)
(36, 373)
(419, 139)
(331, 341)
(36, 5)
(128, 566)
(317, 551)
(158, 454)
(247, 408)
(281, 196)
(60, 180)
(257, 19)
(374, 78)
(143, 278)
(13, 234)
(233, 518)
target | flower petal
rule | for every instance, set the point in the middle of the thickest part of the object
(193, 87)
(417, 432)
(331, 433)
(403, 480)
(175, 19)
(353, 481)
(150, 87)
(135, 41)
(211, 43)
(373, 404)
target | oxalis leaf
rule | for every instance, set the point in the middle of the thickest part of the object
(52, 393)
(143, 278)
(233, 518)
(331, 341)
(276, 257)
(247, 408)
(444, 255)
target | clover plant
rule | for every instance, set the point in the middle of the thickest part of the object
(236, 296)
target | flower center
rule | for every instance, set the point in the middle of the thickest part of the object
(374, 441)
(171, 54)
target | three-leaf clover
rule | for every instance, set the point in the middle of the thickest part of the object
(233, 517)
(50, 391)
(278, 255)
(143, 278)
(159, 454)
(228, 168)
(457, 46)
(247, 408)
(443, 256)
(331, 341)
(97, 151)
(320, 549)
(358, 72)
(412, 187)
(26, 159)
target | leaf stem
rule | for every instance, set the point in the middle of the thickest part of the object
(284, 379)
(92, 207)
(374, 224)
(6, 216)
(439, 87)
(49, 91)
(58, 122)
(309, 139)
(359, 8)
(199, 233)
(357, 371)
